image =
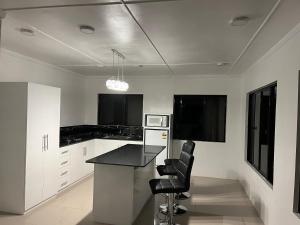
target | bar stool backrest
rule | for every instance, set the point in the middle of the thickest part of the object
(188, 147)
(184, 169)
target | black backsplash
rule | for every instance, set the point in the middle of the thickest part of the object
(75, 134)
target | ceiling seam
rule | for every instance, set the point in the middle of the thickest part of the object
(85, 4)
(147, 36)
(250, 42)
(153, 64)
(67, 45)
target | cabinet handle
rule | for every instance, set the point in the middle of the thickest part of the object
(47, 141)
(64, 152)
(64, 162)
(84, 151)
(64, 183)
(64, 173)
(43, 143)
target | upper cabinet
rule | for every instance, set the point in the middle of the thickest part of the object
(29, 142)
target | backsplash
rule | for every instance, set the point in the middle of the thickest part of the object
(75, 134)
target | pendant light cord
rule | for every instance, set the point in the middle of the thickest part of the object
(113, 61)
(123, 69)
(118, 67)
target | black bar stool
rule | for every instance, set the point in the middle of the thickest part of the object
(169, 169)
(175, 185)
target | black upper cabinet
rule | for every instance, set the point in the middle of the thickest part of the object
(120, 109)
(261, 130)
(200, 117)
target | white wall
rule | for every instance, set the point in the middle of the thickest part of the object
(281, 63)
(15, 67)
(211, 159)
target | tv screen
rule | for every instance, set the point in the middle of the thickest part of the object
(120, 109)
(200, 117)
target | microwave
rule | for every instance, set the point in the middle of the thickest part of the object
(153, 120)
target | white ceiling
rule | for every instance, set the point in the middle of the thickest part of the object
(191, 35)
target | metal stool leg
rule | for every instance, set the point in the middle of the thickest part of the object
(164, 207)
(183, 196)
(180, 209)
(170, 211)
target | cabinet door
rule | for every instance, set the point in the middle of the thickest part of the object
(88, 153)
(130, 142)
(76, 165)
(51, 153)
(35, 146)
(110, 145)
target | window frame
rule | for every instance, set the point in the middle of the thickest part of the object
(296, 204)
(257, 169)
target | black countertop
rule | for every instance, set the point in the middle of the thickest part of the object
(129, 155)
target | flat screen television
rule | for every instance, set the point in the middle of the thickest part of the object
(200, 117)
(120, 109)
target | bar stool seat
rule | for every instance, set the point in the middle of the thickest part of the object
(166, 170)
(166, 186)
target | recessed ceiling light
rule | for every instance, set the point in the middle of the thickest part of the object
(222, 63)
(26, 31)
(239, 21)
(86, 29)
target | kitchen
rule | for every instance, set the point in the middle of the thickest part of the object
(59, 55)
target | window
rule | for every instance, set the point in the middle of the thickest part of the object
(120, 109)
(200, 117)
(261, 130)
(296, 207)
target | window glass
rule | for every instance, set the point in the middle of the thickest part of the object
(261, 130)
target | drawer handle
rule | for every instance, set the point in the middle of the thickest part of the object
(64, 173)
(64, 183)
(64, 152)
(64, 162)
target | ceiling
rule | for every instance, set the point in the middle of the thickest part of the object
(180, 37)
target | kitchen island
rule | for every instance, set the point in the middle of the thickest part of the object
(121, 187)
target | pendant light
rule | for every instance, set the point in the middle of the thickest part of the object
(117, 83)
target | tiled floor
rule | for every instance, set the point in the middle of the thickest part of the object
(214, 202)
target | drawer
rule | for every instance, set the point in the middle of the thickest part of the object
(64, 161)
(63, 172)
(64, 182)
(65, 152)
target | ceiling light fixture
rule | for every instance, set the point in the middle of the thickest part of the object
(117, 83)
(86, 29)
(222, 63)
(239, 21)
(26, 31)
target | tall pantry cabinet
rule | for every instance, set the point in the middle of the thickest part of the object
(29, 145)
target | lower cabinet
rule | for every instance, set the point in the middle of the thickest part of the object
(72, 162)
(106, 145)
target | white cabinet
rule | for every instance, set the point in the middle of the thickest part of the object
(73, 162)
(29, 143)
(88, 153)
(103, 146)
(64, 167)
(124, 142)
(72, 159)
(106, 145)
(43, 118)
